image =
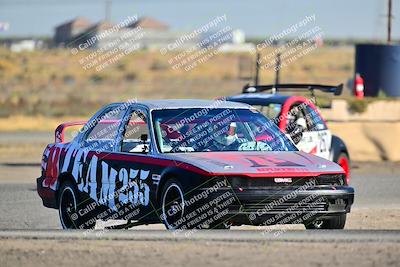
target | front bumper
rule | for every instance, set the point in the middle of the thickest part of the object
(280, 205)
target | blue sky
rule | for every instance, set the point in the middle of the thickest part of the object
(258, 18)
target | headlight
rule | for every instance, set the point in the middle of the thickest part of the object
(331, 179)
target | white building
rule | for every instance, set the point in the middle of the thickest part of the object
(24, 45)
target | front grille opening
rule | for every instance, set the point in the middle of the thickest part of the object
(326, 179)
(295, 205)
(267, 182)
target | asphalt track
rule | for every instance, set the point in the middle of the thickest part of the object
(23, 215)
(30, 233)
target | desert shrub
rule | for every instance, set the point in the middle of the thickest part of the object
(158, 65)
(68, 79)
(358, 105)
(130, 76)
(307, 67)
(97, 77)
(121, 66)
(53, 77)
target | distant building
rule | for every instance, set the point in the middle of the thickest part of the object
(23, 45)
(148, 23)
(153, 35)
(87, 38)
(144, 33)
(158, 35)
(65, 32)
(237, 43)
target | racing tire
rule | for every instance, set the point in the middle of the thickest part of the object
(173, 205)
(337, 222)
(68, 202)
(344, 162)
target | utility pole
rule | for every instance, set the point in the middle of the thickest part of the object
(389, 22)
(277, 67)
(256, 78)
(107, 10)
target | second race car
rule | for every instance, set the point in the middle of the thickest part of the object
(299, 118)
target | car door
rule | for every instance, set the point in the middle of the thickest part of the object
(115, 166)
(94, 167)
(138, 170)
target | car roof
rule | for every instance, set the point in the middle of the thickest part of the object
(189, 103)
(259, 98)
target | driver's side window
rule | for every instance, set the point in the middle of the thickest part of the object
(314, 120)
(102, 131)
(136, 134)
(295, 115)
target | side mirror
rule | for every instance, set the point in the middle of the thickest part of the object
(297, 133)
(144, 138)
(301, 122)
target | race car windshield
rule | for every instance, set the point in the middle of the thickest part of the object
(197, 130)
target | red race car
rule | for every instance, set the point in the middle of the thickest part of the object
(299, 118)
(188, 164)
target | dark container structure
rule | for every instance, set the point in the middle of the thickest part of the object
(379, 66)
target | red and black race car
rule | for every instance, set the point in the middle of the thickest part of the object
(188, 164)
(299, 118)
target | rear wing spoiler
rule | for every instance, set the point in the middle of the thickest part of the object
(335, 89)
(60, 130)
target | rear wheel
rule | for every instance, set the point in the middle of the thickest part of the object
(67, 206)
(337, 222)
(68, 210)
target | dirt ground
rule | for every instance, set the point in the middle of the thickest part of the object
(370, 141)
(195, 253)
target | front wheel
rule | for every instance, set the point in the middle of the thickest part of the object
(173, 205)
(336, 222)
(344, 162)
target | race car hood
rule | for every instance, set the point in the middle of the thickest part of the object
(259, 164)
